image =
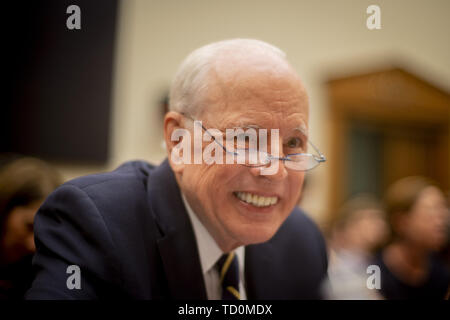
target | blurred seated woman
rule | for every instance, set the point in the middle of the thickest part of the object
(359, 230)
(24, 184)
(418, 216)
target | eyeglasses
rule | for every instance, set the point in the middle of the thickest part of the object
(252, 157)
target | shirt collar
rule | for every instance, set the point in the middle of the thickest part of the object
(208, 249)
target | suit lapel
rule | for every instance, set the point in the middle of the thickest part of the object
(177, 244)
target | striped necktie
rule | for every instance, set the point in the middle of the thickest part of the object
(229, 276)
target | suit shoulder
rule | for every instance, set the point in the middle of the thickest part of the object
(299, 232)
(112, 193)
(300, 229)
(128, 172)
(299, 221)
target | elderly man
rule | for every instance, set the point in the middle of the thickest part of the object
(197, 229)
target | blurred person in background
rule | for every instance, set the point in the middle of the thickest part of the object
(24, 184)
(418, 217)
(359, 230)
(444, 254)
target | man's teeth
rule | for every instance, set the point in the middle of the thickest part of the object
(256, 200)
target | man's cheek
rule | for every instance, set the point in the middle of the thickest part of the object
(297, 185)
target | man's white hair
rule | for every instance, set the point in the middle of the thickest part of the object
(191, 81)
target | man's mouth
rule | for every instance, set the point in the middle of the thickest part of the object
(255, 199)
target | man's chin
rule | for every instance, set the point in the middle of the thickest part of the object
(255, 234)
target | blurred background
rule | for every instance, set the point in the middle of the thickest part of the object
(87, 100)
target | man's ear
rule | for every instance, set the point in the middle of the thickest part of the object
(176, 141)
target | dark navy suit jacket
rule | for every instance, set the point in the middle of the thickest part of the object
(130, 235)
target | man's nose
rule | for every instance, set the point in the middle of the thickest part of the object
(280, 170)
(275, 169)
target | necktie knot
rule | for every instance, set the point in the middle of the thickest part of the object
(229, 276)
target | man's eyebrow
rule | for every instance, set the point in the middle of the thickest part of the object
(251, 126)
(245, 126)
(302, 129)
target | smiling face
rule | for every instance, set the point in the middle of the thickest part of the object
(237, 204)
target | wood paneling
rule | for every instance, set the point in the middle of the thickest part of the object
(412, 115)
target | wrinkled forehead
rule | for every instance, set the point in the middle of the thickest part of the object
(295, 123)
(258, 96)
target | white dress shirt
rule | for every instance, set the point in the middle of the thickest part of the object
(210, 253)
